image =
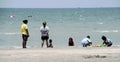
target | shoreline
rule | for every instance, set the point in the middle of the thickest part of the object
(92, 54)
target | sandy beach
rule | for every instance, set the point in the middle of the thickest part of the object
(92, 54)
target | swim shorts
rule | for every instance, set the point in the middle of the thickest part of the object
(45, 37)
(24, 37)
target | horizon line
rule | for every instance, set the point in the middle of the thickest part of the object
(63, 7)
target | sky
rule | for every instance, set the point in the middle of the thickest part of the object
(58, 3)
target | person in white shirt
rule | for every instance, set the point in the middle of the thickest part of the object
(44, 29)
(106, 41)
(86, 41)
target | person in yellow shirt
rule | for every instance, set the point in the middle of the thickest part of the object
(25, 33)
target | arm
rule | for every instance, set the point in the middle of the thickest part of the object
(105, 43)
(27, 32)
(90, 43)
(26, 29)
(47, 29)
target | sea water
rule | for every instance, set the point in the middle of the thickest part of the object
(63, 23)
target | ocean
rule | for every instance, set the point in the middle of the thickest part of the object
(63, 23)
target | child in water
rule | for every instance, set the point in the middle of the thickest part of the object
(50, 44)
(106, 41)
(71, 42)
(86, 41)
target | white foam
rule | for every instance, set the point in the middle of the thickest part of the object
(9, 33)
(115, 30)
(107, 31)
(12, 33)
(100, 23)
(104, 31)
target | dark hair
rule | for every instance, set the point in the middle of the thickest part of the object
(25, 21)
(50, 40)
(103, 38)
(70, 38)
(88, 36)
(44, 23)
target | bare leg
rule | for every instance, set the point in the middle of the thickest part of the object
(47, 43)
(24, 44)
(42, 43)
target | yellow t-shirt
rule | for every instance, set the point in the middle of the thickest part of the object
(23, 29)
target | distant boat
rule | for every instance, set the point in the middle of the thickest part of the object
(30, 16)
(12, 16)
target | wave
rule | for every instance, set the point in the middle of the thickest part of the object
(9, 33)
(10, 47)
(108, 31)
(100, 23)
(15, 47)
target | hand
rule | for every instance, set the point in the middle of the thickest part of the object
(28, 35)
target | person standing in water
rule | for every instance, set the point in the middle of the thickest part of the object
(25, 33)
(44, 29)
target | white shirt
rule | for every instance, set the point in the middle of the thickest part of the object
(44, 31)
(109, 40)
(86, 40)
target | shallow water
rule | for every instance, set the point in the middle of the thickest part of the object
(63, 23)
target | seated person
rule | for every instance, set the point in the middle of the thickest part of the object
(50, 44)
(106, 42)
(86, 42)
(71, 42)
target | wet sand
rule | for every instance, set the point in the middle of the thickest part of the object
(92, 54)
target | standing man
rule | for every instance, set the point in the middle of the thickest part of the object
(44, 29)
(25, 33)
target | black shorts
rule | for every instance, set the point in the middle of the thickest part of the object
(110, 44)
(24, 37)
(44, 37)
